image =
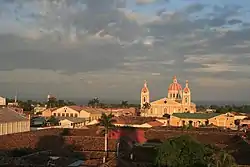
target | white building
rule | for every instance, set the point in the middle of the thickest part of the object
(71, 122)
(12, 122)
(39, 109)
(2, 101)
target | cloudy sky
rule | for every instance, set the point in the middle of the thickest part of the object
(107, 48)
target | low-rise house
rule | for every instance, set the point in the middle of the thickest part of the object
(12, 122)
(88, 113)
(122, 111)
(137, 122)
(48, 112)
(72, 122)
(39, 109)
(237, 116)
(199, 119)
(15, 104)
(154, 123)
(245, 122)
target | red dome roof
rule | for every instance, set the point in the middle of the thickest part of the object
(175, 86)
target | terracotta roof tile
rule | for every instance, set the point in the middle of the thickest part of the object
(9, 115)
(155, 123)
(133, 120)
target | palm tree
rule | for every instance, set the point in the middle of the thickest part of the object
(145, 107)
(107, 122)
(225, 160)
(94, 102)
(124, 104)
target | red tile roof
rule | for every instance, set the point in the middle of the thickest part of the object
(155, 123)
(133, 120)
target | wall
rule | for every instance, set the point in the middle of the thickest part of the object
(66, 123)
(14, 127)
(2, 101)
(132, 133)
(65, 112)
(221, 121)
(47, 113)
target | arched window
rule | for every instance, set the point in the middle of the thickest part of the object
(186, 100)
(165, 110)
(144, 99)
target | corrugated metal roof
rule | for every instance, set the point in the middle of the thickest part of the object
(196, 115)
(9, 115)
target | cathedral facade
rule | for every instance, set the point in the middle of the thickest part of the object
(178, 100)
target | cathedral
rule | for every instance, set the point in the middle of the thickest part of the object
(178, 100)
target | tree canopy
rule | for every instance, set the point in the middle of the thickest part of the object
(184, 151)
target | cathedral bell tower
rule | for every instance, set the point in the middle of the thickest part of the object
(144, 94)
(186, 100)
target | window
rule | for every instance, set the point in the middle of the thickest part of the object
(67, 114)
(58, 114)
(173, 95)
(144, 99)
(63, 115)
(71, 115)
(165, 110)
(75, 115)
(186, 100)
(54, 114)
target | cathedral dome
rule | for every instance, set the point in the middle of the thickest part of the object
(175, 86)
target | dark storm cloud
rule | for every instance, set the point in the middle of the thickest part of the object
(173, 37)
(193, 8)
(55, 57)
(234, 21)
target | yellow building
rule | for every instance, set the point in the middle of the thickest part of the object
(178, 100)
(12, 122)
(199, 119)
(88, 113)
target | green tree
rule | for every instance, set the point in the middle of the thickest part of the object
(181, 152)
(184, 151)
(124, 104)
(107, 122)
(146, 106)
(224, 159)
(61, 103)
(53, 121)
(94, 102)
